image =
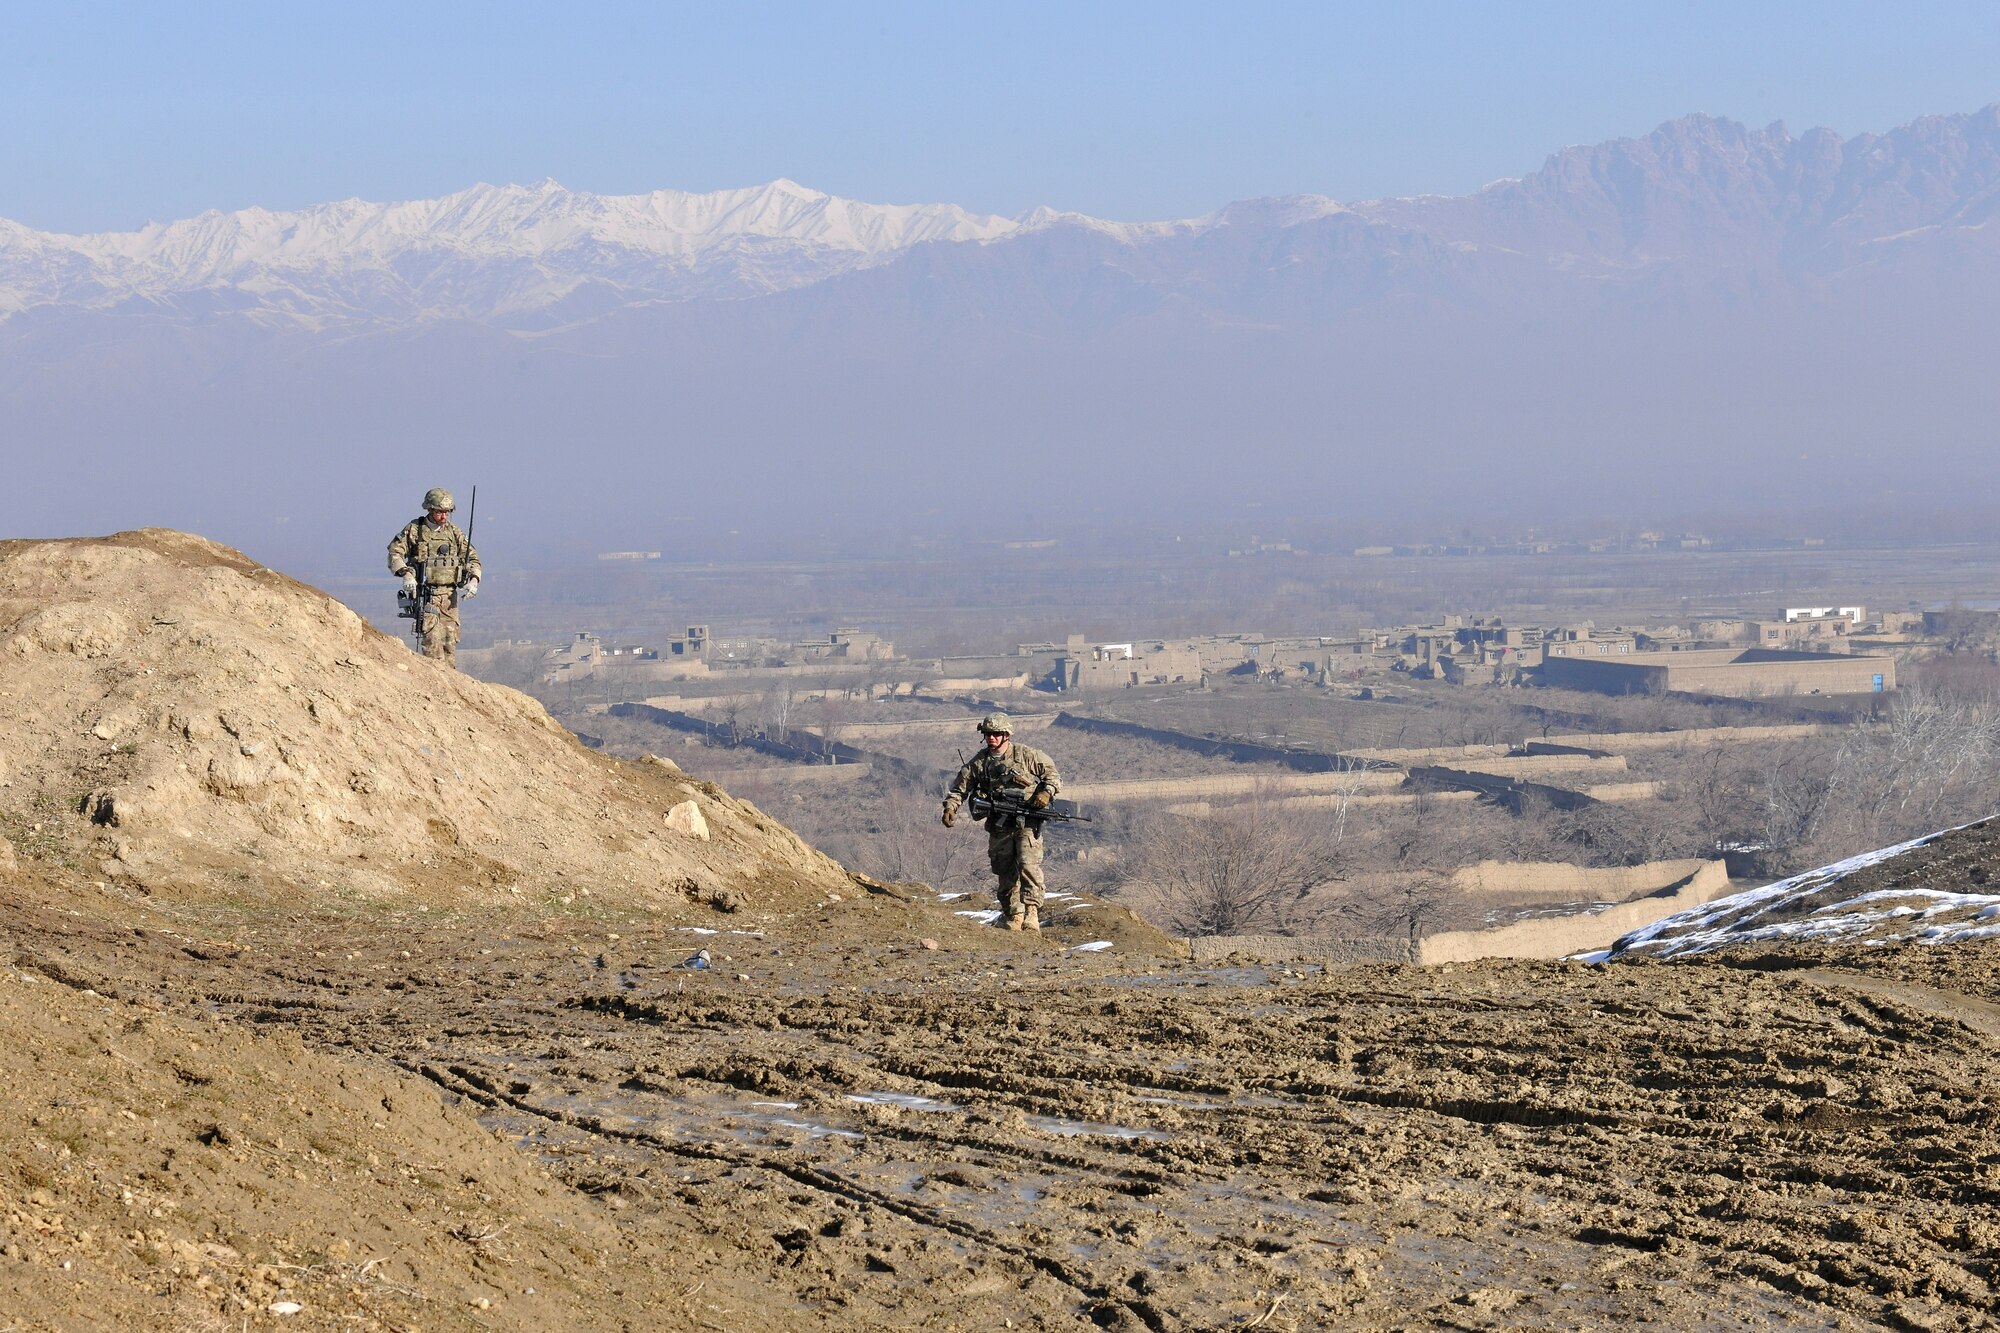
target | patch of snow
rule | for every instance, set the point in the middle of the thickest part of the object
(1781, 911)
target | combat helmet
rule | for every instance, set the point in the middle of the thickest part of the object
(996, 724)
(437, 497)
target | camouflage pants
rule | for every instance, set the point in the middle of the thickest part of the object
(440, 639)
(1016, 857)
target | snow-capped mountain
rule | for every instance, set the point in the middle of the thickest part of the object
(1700, 202)
(490, 253)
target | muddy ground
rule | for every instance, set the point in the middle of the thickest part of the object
(220, 1116)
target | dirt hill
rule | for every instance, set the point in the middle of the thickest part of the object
(181, 718)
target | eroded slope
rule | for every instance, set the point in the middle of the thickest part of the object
(178, 717)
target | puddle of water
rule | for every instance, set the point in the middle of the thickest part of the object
(908, 1101)
(1075, 1127)
(816, 1131)
(778, 1106)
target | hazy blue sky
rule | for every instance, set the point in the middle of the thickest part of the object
(116, 114)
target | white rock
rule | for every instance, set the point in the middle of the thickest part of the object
(686, 818)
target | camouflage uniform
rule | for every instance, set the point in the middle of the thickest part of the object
(1013, 844)
(449, 562)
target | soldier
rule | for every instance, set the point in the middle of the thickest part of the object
(443, 553)
(1013, 842)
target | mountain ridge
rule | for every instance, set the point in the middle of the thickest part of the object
(1649, 322)
(1699, 188)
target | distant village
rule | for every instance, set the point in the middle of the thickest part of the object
(1525, 545)
(1824, 650)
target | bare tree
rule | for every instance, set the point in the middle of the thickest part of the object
(776, 709)
(1235, 869)
(1406, 904)
(1711, 790)
(1934, 762)
(833, 710)
(906, 844)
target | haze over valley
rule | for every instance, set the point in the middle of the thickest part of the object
(1707, 319)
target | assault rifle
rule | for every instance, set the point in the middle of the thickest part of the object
(416, 605)
(1060, 811)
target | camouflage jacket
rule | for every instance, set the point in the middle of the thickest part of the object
(1019, 770)
(442, 548)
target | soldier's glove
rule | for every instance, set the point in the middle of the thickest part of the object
(950, 814)
(1040, 800)
(471, 588)
(410, 582)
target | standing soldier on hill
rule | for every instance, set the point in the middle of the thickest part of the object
(1008, 774)
(439, 569)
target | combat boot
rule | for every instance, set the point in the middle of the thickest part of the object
(1031, 919)
(1013, 920)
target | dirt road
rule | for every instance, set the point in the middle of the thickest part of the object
(835, 1127)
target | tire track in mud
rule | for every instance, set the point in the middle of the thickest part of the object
(361, 1017)
(1735, 1148)
(1982, 1016)
(1754, 1131)
(473, 1084)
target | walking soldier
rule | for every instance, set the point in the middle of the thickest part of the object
(1004, 775)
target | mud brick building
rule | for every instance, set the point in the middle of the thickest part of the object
(1730, 672)
(1115, 666)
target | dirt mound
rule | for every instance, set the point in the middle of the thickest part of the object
(182, 719)
(197, 1175)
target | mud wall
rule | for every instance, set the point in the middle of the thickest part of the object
(1235, 784)
(1622, 791)
(1329, 802)
(1555, 879)
(1246, 752)
(1666, 740)
(1512, 793)
(799, 746)
(1467, 756)
(974, 684)
(1601, 767)
(1568, 935)
(1024, 725)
